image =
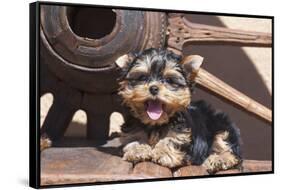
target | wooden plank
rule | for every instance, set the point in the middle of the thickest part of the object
(248, 166)
(69, 165)
(151, 170)
(190, 171)
(81, 165)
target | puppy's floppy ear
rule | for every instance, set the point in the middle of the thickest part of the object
(124, 60)
(192, 63)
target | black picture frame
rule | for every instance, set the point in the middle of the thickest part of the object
(34, 99)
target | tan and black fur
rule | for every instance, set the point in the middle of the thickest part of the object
(186, 132)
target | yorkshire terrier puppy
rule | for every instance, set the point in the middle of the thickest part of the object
(163, 125)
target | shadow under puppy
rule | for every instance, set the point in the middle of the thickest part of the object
(164, 126)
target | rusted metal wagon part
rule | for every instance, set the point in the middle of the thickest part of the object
(78, 67)
(180, 31)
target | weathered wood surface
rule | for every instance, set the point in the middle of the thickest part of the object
(190, 171)
(248, 166)
(181, 31)
(151, 170)
(146, 29)
(81, 165)
(88, 165)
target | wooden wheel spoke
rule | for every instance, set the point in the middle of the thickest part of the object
(58, 119)
(181, 31)
(66, 103)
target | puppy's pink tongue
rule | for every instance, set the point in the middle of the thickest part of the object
(154, 110)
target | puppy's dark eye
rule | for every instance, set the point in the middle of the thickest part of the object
(175, 81)
(138, 77)
(141, 78)
(170, 80)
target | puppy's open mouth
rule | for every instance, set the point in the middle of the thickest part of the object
(154, 109)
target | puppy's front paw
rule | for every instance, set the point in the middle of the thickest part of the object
(217, 162)
(167, 158)
(135, 152)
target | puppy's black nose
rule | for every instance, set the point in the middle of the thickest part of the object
(154, 90)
